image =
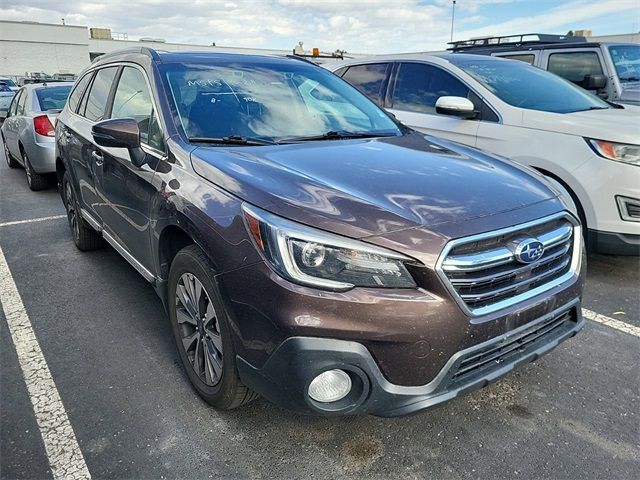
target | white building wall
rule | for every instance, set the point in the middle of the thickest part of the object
(55, 48)
(38, 47)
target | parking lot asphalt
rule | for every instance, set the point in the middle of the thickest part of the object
(107, 341)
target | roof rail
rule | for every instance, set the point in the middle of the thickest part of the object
(513, 40)
(150, 52)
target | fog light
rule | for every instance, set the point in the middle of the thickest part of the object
(330, 386)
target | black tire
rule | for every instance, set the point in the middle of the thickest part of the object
(203, 332)
(85, 237)
(35, 180)
(8, 157)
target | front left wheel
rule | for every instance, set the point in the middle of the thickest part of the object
(202, 333)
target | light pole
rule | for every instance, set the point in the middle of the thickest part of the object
(453, 16)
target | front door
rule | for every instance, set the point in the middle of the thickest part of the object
(413, 94)
(125, 190)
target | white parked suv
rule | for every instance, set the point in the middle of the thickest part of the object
(588, 146)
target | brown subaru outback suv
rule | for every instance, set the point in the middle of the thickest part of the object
(308, 247)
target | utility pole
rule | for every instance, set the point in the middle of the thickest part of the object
(453, 16)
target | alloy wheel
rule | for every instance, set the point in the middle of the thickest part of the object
(70, 204)
(199, 328)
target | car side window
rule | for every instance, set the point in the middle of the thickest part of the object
(369, 79)
(78, 90)
(133, 100)
(20, 110)
(418, 87)
(574, 66)
(526, 58)
(14, 104)
(94, 109)
(341, 71)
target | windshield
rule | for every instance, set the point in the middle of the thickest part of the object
(524, 86)
(53, 98)
(270, 100)
(8, 82)
(626, 59)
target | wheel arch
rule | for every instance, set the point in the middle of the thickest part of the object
(574, 196)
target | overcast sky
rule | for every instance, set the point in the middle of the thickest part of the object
(359, 26)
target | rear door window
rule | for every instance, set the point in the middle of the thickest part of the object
(370, 79)
(80, 86)
(133, 100)
(20, 110)
(418, 87)
(14, 104)
(94, 109)
(574, 66)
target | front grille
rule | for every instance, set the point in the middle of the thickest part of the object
(480, 362)
(485, 273)
(629, 208)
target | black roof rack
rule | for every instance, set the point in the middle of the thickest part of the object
(150, 52)
(513, 40)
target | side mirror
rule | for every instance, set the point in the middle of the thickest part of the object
(120, 133)
(456, 106)
(594, 82)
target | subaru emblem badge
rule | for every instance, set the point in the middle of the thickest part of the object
(529, 250)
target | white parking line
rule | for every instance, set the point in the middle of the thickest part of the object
(32, 220)
(65, 458)
(611, 322)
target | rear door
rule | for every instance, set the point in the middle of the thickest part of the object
(124, 189)
(10, 127)
(85, 154)
(412, 97)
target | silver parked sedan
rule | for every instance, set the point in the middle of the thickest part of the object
(28, 132)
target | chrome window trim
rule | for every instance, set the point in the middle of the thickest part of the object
(574, 269)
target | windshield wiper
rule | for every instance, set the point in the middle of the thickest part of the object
(629, 79)
(337, 135)
(233, 140)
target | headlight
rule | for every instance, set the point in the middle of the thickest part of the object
(620, 152)
(320, 259)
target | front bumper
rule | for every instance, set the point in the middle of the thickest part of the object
(611, 243)
(285, 376)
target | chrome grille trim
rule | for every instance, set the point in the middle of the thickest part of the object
(557, 243)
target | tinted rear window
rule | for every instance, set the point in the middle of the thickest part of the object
(53, 98)
(369, 79)
(96, 103)
(74, 98)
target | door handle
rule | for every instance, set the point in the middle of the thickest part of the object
(98, 157)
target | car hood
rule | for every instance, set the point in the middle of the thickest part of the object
(613, 124)
(370, 187)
